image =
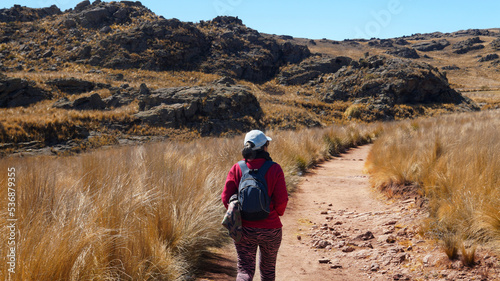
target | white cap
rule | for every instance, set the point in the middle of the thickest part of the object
(257, 138)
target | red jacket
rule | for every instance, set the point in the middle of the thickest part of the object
(276, 188)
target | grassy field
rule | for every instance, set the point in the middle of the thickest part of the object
(142, 212)
(485, 99)
(454, 161)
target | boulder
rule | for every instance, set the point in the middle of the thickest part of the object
(118, 100)
(379, 79)
(178, 106)
(16, 92)
(311, 68)
(95, 17)
(72, 85)
(408, 53)
(93, 102)
(432, 45)
(80, 53)
(81, 6)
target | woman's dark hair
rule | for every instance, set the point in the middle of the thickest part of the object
(249, 153)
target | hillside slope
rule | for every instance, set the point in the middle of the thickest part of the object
(79, 79)
(470, 58)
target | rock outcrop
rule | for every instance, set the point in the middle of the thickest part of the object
(488, 57)
(468, 45)
(473, 32)
(382, 43)
(93, 102)
(310, 69)
(240, 52)
(160, 45)
(495, 44)
(16, 92)
(432, 45)
(382, 80)
(223, 45)
(213, 109)
(72, 85)
(98, 14)
(24, 14)
(404, 52)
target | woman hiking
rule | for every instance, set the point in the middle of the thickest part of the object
(264, 233)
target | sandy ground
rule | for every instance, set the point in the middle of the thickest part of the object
(337, 228)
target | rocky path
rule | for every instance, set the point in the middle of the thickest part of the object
(337, 228)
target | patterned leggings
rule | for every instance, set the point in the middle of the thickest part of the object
(269, 241)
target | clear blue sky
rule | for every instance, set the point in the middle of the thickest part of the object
(332, 19)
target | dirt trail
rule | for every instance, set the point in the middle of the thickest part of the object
(337, 228)
(339, 183)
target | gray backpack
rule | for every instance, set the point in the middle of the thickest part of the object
(252, 192)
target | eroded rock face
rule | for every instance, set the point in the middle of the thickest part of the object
(16, 92)
(160, 45)
(241, 52)
(126, 34)
(311, 68)
(218, 106)
(393, 81)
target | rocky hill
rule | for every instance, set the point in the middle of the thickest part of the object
(468, 57)
(107, 73)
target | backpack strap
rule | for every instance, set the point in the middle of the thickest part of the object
(244, 168)
(265, 167)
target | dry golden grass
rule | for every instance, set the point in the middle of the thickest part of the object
(455, 162)
(486, 99)
(43, 123)
(144, 212)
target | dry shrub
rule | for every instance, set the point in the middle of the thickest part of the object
(137, 213)
(454, 160)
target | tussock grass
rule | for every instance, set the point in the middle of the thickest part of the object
(454, 161)
(485, 99)
(43, 123)
(144, 212)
